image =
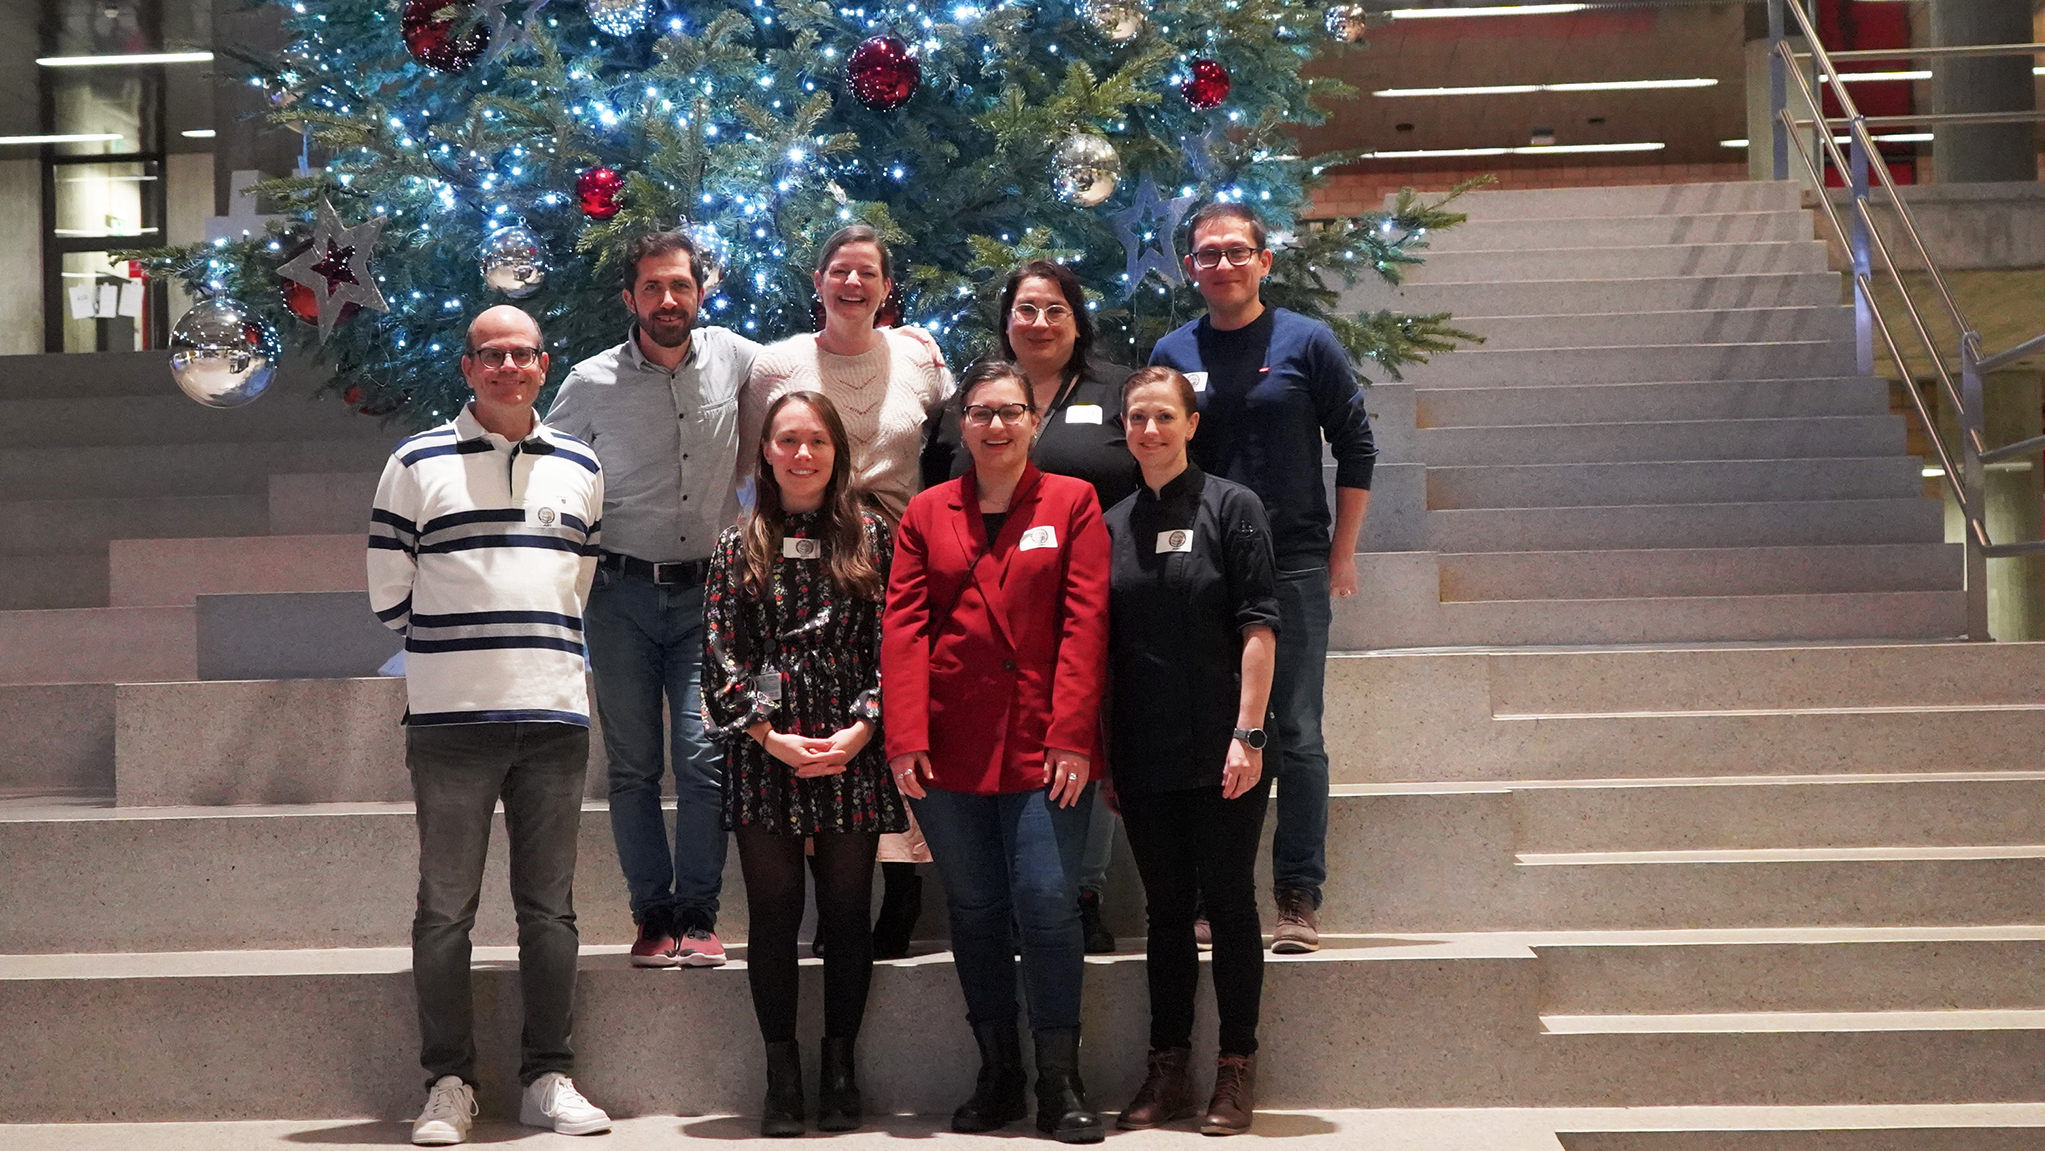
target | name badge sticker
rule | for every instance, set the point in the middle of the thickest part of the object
(769, 685)
(1083, 414)
(800, 549)
(1174, 541)
(1041, 536)
(1198, 380)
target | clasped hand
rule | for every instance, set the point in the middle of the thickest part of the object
(811, 756)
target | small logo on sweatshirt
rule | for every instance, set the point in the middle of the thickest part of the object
(545, 516)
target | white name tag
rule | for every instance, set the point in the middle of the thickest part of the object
(1083, 414)
(1198, 380)
(795, 549)
(1040, 536)
(1178, 541)
(769, 685)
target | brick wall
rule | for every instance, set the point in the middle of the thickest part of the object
(1353, 193)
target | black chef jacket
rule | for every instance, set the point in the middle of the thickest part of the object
(1175, 623)
(1090, 447)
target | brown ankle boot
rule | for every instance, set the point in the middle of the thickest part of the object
(1166, 1094)
(1235, 1090)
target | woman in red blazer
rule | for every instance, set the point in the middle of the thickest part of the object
(993, 661)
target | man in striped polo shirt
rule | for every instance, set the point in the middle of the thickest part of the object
(482, 546)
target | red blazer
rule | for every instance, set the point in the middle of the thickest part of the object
(1021, 663)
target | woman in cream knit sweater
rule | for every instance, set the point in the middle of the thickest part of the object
(885, 382)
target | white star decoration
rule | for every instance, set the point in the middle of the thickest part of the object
(336, 267)
(1145, 228)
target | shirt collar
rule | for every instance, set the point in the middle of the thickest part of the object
(1187, 482)
(467, 427)
(636, 355)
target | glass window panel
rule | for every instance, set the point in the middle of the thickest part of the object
(101, 101)
(105, 200)
(102, 27)
(100, 302)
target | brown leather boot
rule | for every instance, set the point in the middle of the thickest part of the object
(1235, 1090)
(1166, 1094)
(1298, 930)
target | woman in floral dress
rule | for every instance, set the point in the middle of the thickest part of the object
(791, 687)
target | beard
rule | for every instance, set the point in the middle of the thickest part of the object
(669, 331)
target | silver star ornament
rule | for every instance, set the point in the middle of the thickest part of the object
(504, 35)
(336, 267)
(1146, 228)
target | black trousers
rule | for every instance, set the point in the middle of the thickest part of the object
(775, 880)
(1197, 851)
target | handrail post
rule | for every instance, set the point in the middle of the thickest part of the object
(1778, 91)
(1973, 425)
(1857, 246)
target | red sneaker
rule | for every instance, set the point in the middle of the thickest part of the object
(656, 944)
(696, 945)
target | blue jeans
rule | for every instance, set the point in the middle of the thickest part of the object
(1100, 844)
(646, 647)
(1299, 843)
(1009, 859)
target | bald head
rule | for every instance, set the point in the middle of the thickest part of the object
(500, 321)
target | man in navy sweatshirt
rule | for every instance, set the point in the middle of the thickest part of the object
(1272, 384)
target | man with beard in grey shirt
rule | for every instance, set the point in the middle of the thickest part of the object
(661, 412)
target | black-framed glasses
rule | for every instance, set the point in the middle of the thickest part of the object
(1212, 257)
(1054, 314)
(980, 415)
(519, 357)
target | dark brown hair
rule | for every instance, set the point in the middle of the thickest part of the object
(1143, 377)
(855, 234)
(844, 532)
(986, 372)
(1225, 210)
(643, 248)
(1075, 298)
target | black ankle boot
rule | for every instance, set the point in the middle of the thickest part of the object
(1062, 1110)
(781, 1114)
(838, 1104)
(998, 1095)
(901, 906)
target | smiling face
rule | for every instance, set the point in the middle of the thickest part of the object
(1000, 444)
(506, 390)
(1043, 344)
(798, 448)
(1226, 287)
(665, 298)
(1158, 425)
(852, 285)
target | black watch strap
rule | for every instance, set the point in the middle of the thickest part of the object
(1253, 738)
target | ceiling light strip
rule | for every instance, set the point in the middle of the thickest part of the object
(117, 61)
(1489, 10)
(1524, 89)
(1535, 150)
(66, 138)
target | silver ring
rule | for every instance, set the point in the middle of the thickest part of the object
(1072, 775)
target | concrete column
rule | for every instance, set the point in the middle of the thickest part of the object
(2015, 503)
(1983, 152)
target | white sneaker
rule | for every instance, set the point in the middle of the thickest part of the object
(450, 1108)
(553, 1102)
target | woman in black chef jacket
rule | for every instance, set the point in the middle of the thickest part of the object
(1048, 333)
(1193, 616)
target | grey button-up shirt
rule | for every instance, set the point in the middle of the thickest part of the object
(668, 441)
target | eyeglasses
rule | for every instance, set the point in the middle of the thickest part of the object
(1029, 313)
(980, 415)
(1212, 257)
(495, 357)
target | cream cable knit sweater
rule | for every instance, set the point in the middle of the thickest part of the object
(883, 397)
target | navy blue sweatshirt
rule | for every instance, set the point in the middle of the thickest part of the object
(1269, 392)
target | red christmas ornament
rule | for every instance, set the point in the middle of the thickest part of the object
(1208, 86)
(428, 28)
(299, 298)
(883, 73)
(598, 190)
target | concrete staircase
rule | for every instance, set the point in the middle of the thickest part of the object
(1663, 437)
(1766, 884)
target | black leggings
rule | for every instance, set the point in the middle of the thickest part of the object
(774, 866)
(1194, 849)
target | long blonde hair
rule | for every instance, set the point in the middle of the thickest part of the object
(844, 531)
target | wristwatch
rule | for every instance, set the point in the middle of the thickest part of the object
(1252, 737)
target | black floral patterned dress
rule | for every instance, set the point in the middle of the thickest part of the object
(826, 645)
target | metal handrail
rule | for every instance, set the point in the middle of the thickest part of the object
(1864, 239)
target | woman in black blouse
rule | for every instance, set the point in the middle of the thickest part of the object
(791, 687)
(1047, 331)
(1193, 616)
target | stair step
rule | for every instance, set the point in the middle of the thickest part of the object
(1634, 364)
(1642, 200)
(98, 645)
(44, 526)
(1479, 235)
(1672, 482)
(1801, 522)
(1666, 440)
(182, 469)
(1575, 263)
(1846, 615)
(1968, 1129)
(1669, 572)
(56, 740)
(175, 571)
(1791, 1022)
(332, 503)
(1684, 326)
(53, 580)
(1642, 403)
(73, 421)
(1568, 298)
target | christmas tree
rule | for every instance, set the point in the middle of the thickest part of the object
(512, 146)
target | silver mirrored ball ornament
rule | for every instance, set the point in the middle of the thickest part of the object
(1118, 20)
(716, 251)
(1084, 169)
(1345, 22)
(514, 261)
(619, 17)
(222, 354)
